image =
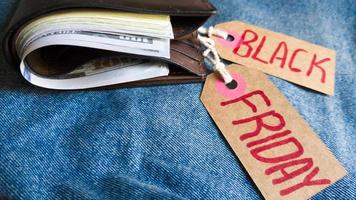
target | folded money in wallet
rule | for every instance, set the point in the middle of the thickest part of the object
(80, 44)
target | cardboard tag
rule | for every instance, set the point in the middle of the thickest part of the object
(280, 55)
(280, 151)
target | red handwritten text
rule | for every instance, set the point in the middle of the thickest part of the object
(278, 137)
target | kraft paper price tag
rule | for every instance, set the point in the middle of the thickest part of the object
(280, 55)
(280, 151)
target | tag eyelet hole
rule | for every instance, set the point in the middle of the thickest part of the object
(232, 85)
(230, 38)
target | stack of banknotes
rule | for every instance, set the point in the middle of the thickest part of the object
(143, 35)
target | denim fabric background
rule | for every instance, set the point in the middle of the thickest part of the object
(159, 142)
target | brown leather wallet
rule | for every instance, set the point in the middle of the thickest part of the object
(186, 62)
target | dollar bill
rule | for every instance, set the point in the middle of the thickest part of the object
(131, 44)
(102, 65)
(84, 78)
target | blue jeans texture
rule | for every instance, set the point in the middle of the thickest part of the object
(159, 142)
